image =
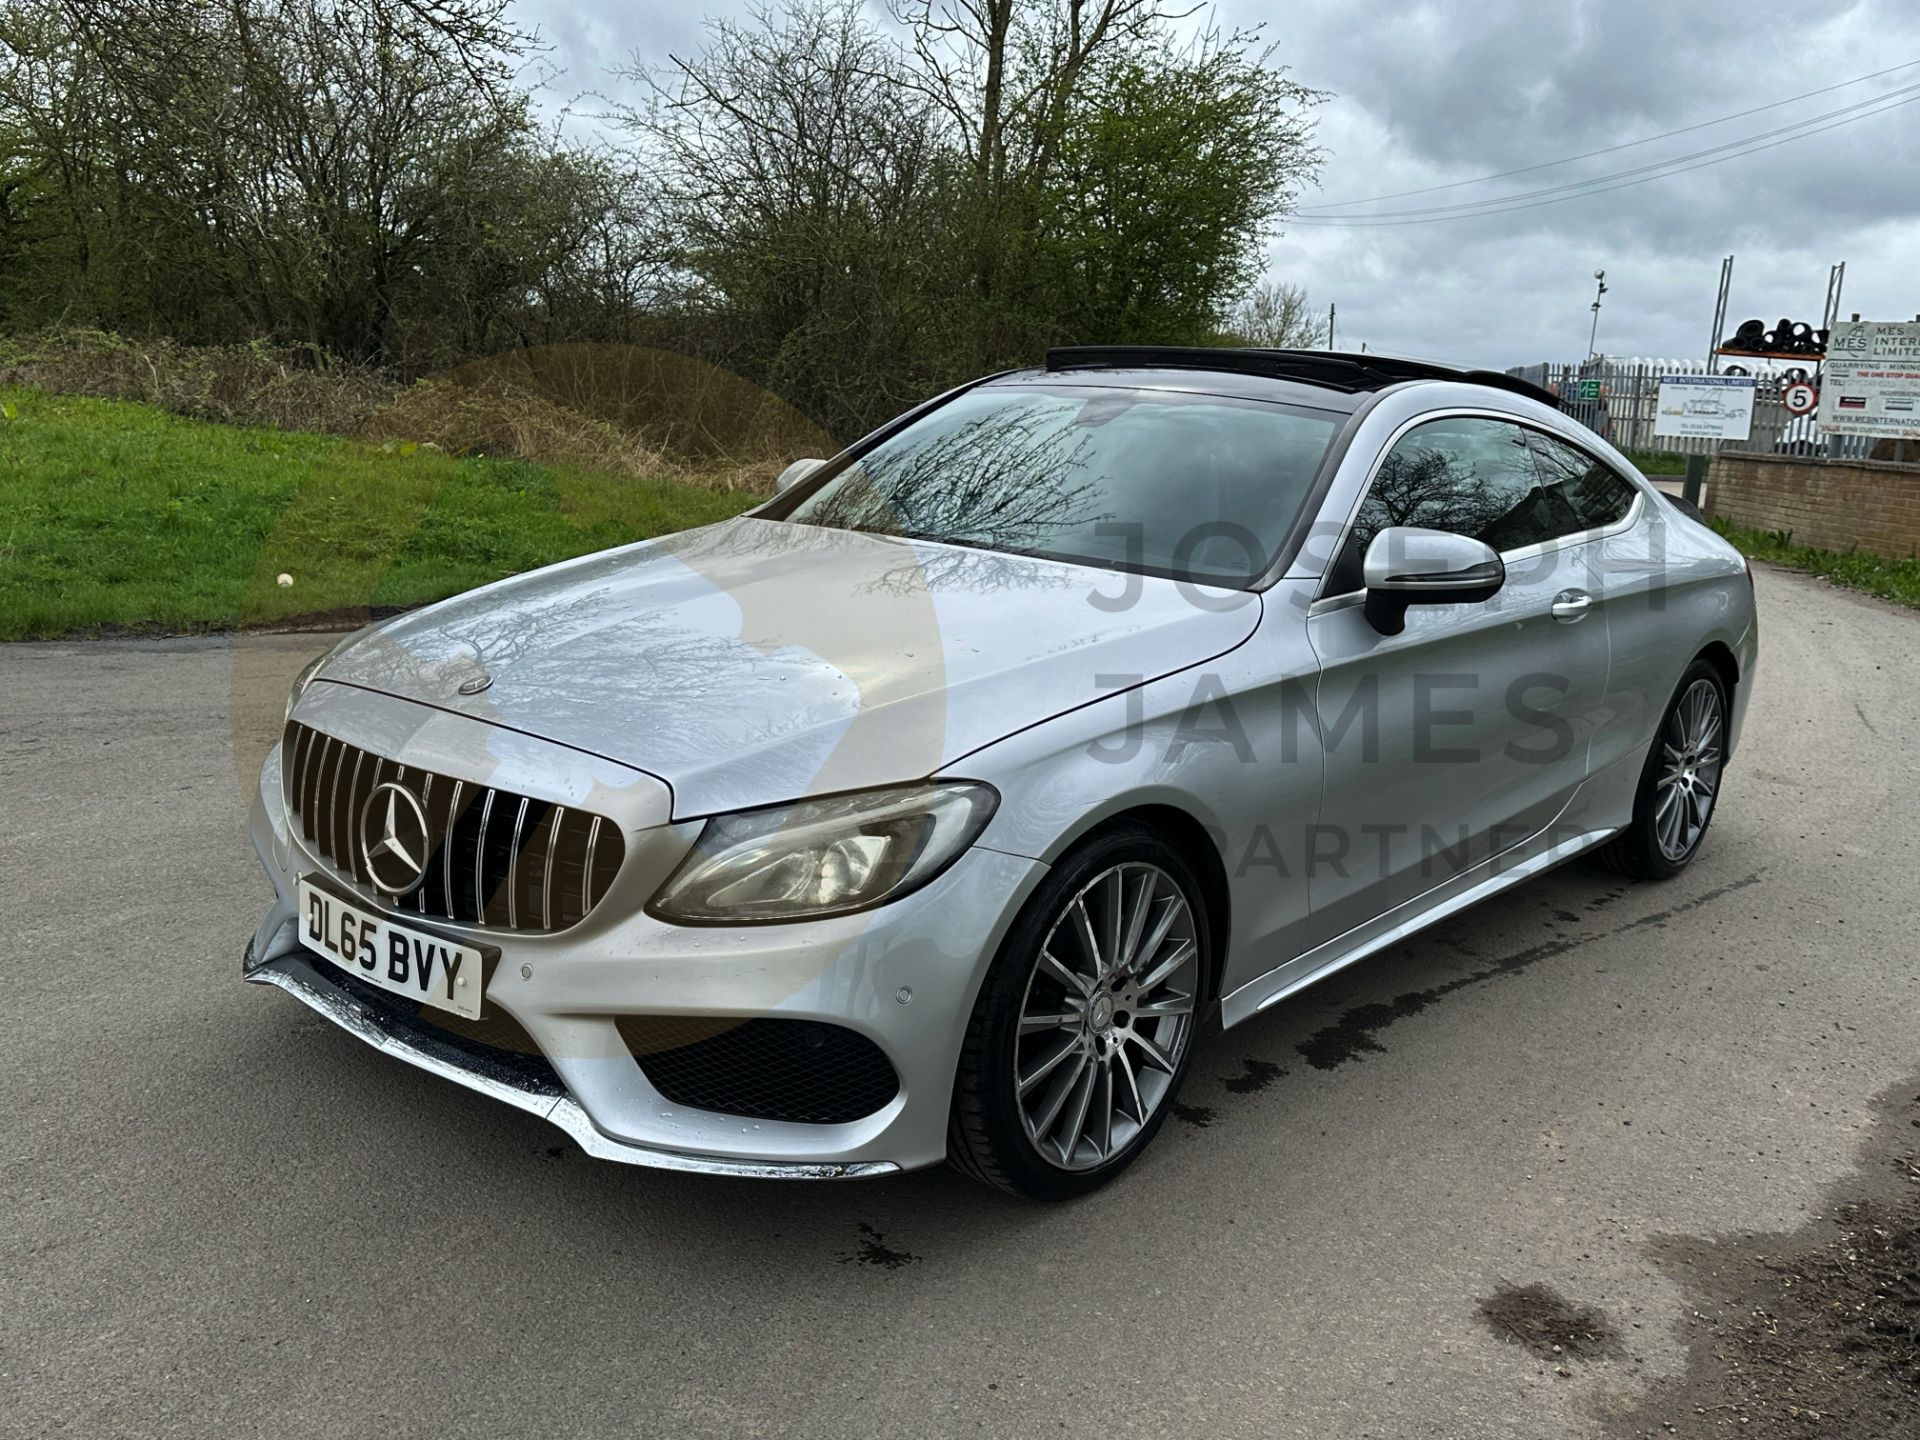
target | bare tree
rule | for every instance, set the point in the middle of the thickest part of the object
(360, 175)
(1006, 71)
(807, 180)
(1278, 316)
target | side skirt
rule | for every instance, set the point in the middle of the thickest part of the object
(1500, 873)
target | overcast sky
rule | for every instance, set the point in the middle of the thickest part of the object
(1433, 93)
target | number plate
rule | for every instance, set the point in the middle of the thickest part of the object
(396, 957)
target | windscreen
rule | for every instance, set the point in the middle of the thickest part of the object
(1200, 487)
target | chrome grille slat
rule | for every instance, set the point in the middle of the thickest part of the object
(546, 886)
(513, 868)
(336, 841)
(328, 780)
(316, 829)
(310, 788)
(297, 773)
(480, 861)
(446, 846)
(586, 870)
(316, 747)
(353, 789)
(426, 803)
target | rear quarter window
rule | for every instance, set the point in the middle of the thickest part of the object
(1590, 487)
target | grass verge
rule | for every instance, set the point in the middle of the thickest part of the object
(1658, 462)
(1895, 580)
(118, 516)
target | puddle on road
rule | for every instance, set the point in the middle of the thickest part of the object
(874, 1250)
(1550, 1325)
(1356, 1033)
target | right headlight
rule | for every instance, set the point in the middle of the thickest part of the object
(312, 668)
(301, 681)
(823, 857)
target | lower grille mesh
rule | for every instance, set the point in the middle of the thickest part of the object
(763, 1069)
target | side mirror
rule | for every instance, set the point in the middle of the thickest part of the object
(795, 473)
(1407, 565)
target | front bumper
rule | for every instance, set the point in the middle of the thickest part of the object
(905, 976)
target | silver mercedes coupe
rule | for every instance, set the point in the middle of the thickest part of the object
(929, 809)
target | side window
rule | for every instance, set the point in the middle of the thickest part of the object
(1595, 493)
(1469, 475)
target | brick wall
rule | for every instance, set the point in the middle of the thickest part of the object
(1833, 504)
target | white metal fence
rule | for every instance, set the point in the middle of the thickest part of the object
(1628, 400)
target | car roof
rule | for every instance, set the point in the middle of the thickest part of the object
(1323, 378)
(1189, 380)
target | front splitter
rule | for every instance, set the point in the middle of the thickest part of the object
(559, 1109)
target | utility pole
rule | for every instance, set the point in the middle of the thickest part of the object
(1600, 280)
(1329, 325)
(1720, 316)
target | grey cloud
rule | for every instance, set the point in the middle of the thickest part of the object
(1444, 90)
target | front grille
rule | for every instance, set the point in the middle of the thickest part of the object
(495, 858)
(762, 1069)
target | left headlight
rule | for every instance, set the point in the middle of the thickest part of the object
(823, 857)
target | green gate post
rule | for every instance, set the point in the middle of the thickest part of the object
(1696, 476)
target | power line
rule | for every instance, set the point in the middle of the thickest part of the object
(1611, 149)
(1503, 208)
(1739, 146)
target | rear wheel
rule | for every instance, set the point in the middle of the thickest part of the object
(1680, 783)
(1084, 1028)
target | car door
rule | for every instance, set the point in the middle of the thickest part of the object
(1467, 733)
(1628, 565)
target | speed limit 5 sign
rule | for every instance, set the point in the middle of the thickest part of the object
(1800, 398)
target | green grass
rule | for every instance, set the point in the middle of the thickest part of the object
(1658, 462)
(118, 516)
(1895, 580)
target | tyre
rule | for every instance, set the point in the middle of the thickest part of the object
(1085, 1026)
(1679, 784)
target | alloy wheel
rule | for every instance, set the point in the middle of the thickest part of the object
(1107, 1016)
(1689, 778)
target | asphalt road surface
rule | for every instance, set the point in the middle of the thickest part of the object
(223, 1216)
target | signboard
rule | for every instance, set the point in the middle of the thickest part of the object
(1800, 398)
(1705, 407)
(1872, 380)
(1589, 390)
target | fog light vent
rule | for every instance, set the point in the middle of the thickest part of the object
(765, 1069)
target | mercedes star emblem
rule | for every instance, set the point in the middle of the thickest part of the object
(393, 839)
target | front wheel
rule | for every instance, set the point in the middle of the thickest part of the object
(1679, 784)
(1085, 1025)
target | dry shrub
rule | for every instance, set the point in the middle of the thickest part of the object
(495, 417)
(684, 406)
(282, 387)
(627, 409)
(622, 409)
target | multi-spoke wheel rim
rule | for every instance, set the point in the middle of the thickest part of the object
(1107, 1016)
(1690, 757)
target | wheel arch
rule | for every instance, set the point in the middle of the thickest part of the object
(1726, 665)
(1720, 655)
(1186, 833)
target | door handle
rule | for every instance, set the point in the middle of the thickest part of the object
(1571, 605)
